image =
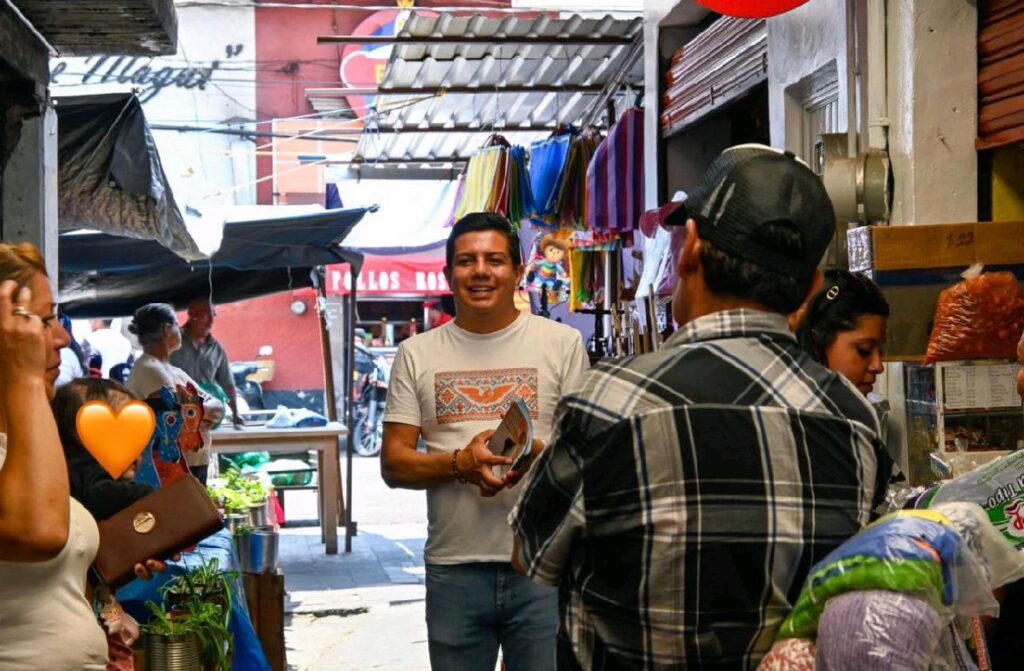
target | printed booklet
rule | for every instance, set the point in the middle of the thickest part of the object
(514, 438)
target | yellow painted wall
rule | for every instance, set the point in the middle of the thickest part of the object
(1008, 184)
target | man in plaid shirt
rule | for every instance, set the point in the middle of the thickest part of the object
(687, 492)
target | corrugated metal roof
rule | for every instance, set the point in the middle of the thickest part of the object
(413, 126)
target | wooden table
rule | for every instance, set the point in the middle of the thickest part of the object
(323, 439)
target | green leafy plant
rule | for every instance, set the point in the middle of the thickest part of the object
(240, 491)
(198, 602)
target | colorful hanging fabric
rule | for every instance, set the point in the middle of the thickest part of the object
(460, 193)
(497, 201)
(481, 174)
(520, 198)
(615, 177)
(572, 195)
(592, 241)
(579, 268)
(547, 165)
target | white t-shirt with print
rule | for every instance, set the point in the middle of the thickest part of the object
(453, 384)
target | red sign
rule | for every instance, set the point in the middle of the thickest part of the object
(751, 9)
(390, 276)
(363, 65)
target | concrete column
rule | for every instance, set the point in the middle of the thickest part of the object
(30, 188)
(932, 83)
(801, 43)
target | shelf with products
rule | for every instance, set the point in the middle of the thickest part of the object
(963, 411)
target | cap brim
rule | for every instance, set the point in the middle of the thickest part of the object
(667, 216)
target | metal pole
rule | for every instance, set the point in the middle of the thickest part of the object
(544, 40)
(350, 364)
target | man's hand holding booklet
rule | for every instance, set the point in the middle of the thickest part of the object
(514, 439)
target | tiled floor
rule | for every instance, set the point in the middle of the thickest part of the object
(364, 609)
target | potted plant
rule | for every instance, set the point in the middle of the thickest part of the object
(257, 549)
(206, 582)
(247, 493)
(193, 625)
(171, 642)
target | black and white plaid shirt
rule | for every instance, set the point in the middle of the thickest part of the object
(686, 494)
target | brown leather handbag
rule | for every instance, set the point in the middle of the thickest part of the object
(155, 527)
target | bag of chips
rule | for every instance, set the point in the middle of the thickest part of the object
(979, 318)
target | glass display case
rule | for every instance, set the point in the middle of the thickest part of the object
(965, 413)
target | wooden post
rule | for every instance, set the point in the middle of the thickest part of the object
(264, 594)
(331, 411)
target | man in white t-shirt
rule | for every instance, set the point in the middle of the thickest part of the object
(451, 386)
(111, 344)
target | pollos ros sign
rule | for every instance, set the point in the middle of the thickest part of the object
(390, 276)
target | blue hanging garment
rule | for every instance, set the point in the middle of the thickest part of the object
(548, 159)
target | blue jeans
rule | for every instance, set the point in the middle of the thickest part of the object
(472, 609)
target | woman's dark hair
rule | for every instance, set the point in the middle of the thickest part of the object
(91, 485)
(148, 322)
(844, 299)
(70, 398)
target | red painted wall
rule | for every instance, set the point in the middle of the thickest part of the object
(246, 326)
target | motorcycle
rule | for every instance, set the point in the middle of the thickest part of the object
(373, 373)
(246, 389)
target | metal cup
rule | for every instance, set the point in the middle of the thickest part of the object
(258, 551)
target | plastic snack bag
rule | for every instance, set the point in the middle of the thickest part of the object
(979, 318)
(998, 487)
(950, 558)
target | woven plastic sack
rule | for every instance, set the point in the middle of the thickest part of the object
(979, 318)
(877, 631)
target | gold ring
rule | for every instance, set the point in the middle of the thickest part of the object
(22, 312)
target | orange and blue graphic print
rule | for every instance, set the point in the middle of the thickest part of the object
(480, 395)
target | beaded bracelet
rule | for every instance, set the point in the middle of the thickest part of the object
(456, 473)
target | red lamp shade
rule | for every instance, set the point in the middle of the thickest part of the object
(751, 9)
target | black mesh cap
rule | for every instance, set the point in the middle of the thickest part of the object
(751, 185)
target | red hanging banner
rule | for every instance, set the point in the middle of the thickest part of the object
(390, 276)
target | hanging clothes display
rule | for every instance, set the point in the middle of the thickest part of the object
(615, 177)
(520, 193)
(482, 176)
(548, 159)
(496, 180)
(572, 195)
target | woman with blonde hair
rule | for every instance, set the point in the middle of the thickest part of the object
(47, 539)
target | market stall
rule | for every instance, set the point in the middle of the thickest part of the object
(323, 440)
(102, 274)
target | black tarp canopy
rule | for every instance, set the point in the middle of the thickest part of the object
(110, 175)
(105, 275)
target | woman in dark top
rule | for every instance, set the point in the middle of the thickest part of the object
(91, 485)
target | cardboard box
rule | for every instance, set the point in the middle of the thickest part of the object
(914, 264)
(876, 249)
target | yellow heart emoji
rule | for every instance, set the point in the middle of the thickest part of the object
(116, 440)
